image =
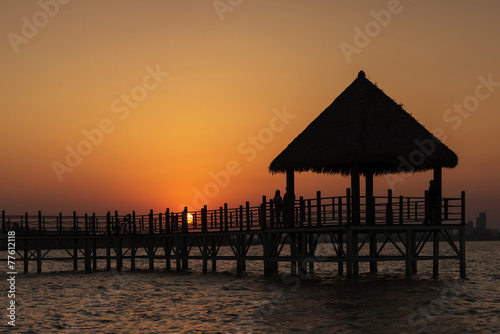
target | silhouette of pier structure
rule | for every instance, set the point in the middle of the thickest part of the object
(362, 133)
(171, 240)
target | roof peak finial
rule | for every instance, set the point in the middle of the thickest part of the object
(361, 74)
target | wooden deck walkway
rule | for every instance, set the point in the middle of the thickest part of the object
(391, 229)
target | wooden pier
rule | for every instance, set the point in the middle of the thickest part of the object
(391, 229)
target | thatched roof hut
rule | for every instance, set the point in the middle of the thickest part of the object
(366, 128)
(365, 132)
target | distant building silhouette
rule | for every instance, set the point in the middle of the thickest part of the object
(481, 221)
(480, 232)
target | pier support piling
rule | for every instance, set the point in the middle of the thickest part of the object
(435, 254)
(39, 256)
(409, 253)
(119, 254)
(462, 251)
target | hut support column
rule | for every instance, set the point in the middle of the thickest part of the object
(438, 180)
(290, 189)
(290, 181)
(370, 202)
(355, 196)
(370, 220)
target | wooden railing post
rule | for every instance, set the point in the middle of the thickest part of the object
(75, 223)
(185, 220)
(59, 227)
(408, 208)
(225, 217)
(416, 210)
(39, 222)
(241, 218)
(134, 223)
(348, 205)
(271, 213)
(427, 209)
(173, 222)
(462, 207)
(302, 215)
(160, 222)
(204, 219)
(117, 224)
(309, 213)
(167, 221)
(445, 209)
(151, 230)
(247, 208)
(263, 214)
(86, 223)
(333, 209)
(318, 208)
(388, 209)
(221, 218)
(401, 206)
(340, 210)
(108, 223)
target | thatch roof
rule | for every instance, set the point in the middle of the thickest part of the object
(364, 127)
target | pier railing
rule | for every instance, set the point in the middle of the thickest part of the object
(319, 211)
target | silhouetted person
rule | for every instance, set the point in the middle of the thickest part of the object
(117, 227)
(278, 205)
(434, 202)
(128, 226)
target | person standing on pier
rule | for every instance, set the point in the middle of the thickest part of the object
(278, 204)
(118, 227)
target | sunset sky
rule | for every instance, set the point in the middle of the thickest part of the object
(138, 105)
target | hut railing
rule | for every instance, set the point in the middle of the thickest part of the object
(306, 212)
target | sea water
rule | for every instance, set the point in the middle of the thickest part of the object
(62, 301)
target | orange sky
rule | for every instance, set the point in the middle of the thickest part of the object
(176, 94)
